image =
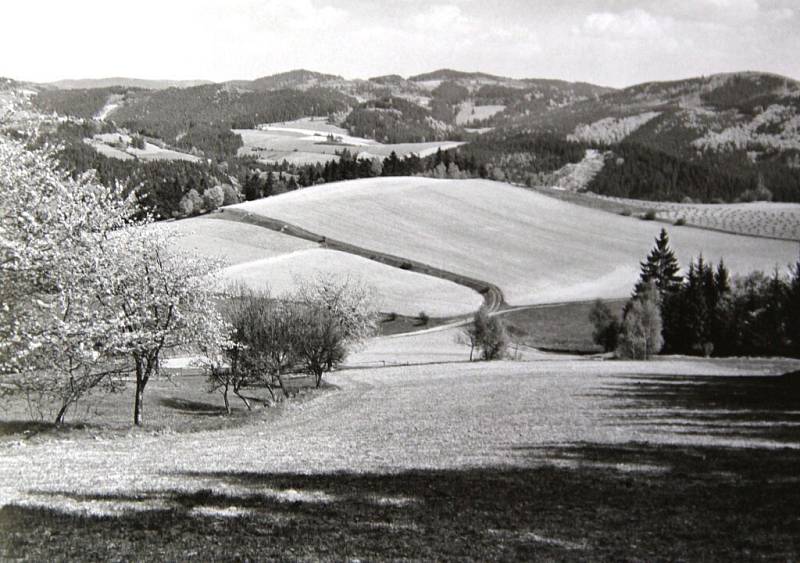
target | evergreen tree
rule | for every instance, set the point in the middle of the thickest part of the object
(661, 267)
(792, 311)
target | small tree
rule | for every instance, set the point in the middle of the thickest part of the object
(640, 336)
(230, 195)
(233, 362)
(320, 344)
(487, 334)
(213, 198)
(334, 314)
(162, 299)
(606, 326)
(661, 267)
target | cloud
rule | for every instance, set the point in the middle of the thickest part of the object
(441, 17)
(636, 23)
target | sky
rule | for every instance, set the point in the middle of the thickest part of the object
(608, 42)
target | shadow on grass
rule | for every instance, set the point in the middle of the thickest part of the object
(31, 428)
(192, 407)
(747, 407)
(577, 502)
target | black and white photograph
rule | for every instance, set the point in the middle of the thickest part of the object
(417, 280)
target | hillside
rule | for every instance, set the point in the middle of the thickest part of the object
(535, 248)
(722, 138)
(725, 137)
(265, 259)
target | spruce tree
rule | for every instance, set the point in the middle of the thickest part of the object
(661, 267)
(793, 311)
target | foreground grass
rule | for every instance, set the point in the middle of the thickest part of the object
(571, 460)
(700, 503)
(178, 404)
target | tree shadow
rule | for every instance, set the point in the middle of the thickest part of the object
(192, 407)
(736, 407)
(581, 501)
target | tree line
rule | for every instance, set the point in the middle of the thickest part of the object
(705, 312)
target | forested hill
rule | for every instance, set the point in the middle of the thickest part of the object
(722, 137)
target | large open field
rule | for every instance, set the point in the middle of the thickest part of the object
(306, 142)
(537, 249)
(553, 459)
(117, 145)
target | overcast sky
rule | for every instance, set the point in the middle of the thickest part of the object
(608, 42)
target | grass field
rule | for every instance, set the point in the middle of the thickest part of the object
(301, 143)
(562, 327)
(469, 112)
(537, 249)
(760, 218)
(235, 243)
(395, 290)
(566, 460)
(261, 258)
(104, 144)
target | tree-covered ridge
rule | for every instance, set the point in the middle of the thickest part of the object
(81, 103)
(170, 113)
(395, 120)
(637, 171)
(521, 157)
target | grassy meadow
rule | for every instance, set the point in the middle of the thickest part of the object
(537, 249)
(546, 459)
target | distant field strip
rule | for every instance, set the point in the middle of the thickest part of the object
(535, 248)
(307, 142)
(777, 220)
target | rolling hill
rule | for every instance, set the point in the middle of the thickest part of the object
(535, 248)
(264, 259)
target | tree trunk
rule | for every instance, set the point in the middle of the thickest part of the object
(280, 382)
(225, 398)
(141, 381)
(243, 398)
(62, 412)
(319, 379)
(137, 405)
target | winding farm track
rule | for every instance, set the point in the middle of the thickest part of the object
(492, 295)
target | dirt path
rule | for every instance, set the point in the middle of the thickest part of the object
(378, 420)
(492, 294)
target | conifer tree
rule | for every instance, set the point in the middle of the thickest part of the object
(793, 311)
(660, 266)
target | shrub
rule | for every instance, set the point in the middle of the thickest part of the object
(213, 198)
(230, 195)
(423, 317)
(649, 215)
(640, 336)
(606, 326)
(680, 222)
(487, 334)
(625, 212)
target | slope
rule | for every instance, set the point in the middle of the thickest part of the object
(536, 249)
